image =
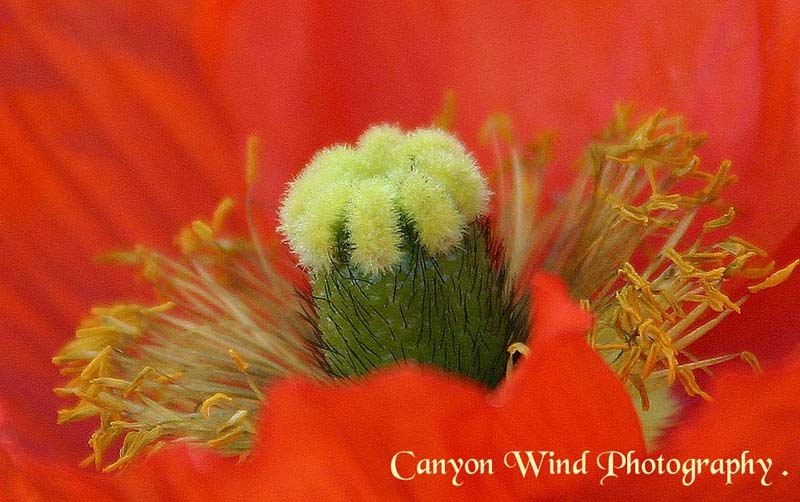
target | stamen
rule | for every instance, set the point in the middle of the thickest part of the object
(751, 359)
(205, 408)
(513, 350)
(242, 366)
(633, 203)
(686, 377)
(723, 221)
(155, 374)
(641, 388)
(221, 214)
(776, 278)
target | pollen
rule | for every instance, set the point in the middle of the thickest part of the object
(364, 197)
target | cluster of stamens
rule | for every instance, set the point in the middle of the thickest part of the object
(192, 368)
(621, 240)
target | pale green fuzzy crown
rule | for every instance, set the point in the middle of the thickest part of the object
(425, 178)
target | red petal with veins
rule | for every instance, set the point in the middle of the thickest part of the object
(109, 137)
(550, 66)
(121, 122)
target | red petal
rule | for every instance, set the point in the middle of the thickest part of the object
(758, 414)
(109, 138)
(32, 480)
(338, 441)
(175, 474)
(113, 130)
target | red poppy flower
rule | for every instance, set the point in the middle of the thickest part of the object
(119, 123)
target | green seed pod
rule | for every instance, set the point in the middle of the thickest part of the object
(454, 311)
(401, 262)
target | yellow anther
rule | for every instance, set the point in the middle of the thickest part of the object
(92, 331)
(629, 303)
(746, 246)
(112, 383)
(752, 360)
(686, 376)
(647, 328)
(187, 241)
(720, 222)
(159, 309)
(706, 257)
(776, 278)
(738, 263)
(221, 214)
(96, 368)
(650, 172)
(650, 362)
(240, 363)
(689, 168)
(721, 299)
(80, 412)
(632, 214)
(242, 366)
(638, 384)
(758, 272)
(169, 378)
(447, 115)
(677, 259)
(132, 444)
(497, 126)
(513, 350)
(122, 257)
(203, 231)
(519, 348)
(150, 268)
(143, 373)
(225, 439)
(120, 326)
(718, 181)
(633, 360)
(672, 364)
(662, 202)
(633, 276)
(234, 421)
(612, 346)
(205, 408)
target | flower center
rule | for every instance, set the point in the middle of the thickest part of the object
(394, 236)
(401, 262)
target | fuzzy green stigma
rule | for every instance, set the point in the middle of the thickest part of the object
(424, 179)
(402, 265)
